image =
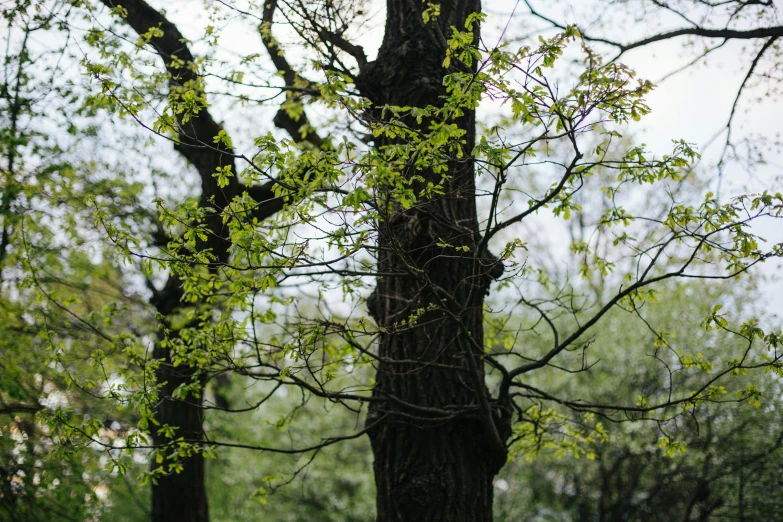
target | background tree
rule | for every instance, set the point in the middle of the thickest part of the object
(60, 293)
(178, 485)
(729, 453)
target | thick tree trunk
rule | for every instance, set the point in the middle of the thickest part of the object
(436, 446)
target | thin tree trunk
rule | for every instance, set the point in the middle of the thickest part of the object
(430, 466)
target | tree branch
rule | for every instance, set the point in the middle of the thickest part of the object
(726, 33)
(299, 129)
(753, 65)
(14, 408)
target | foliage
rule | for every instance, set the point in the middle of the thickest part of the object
(60, 294)
(731, 452)
(265, 303)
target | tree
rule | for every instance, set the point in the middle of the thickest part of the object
(180, 495)
(629, 476)
(408, 192)
(58, 292)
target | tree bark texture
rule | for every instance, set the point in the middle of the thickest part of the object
(435, 449)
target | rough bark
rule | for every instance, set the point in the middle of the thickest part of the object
(436, 456)
(179, 497)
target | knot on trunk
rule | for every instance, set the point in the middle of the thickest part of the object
(491, 267)
(373, 306)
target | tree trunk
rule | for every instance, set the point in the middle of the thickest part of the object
(179, 497)
(436, 447)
